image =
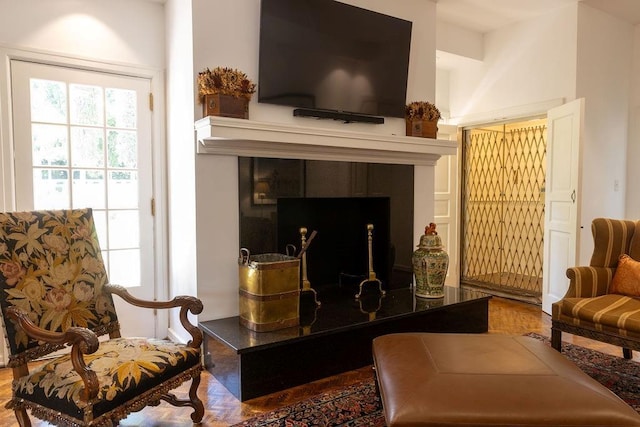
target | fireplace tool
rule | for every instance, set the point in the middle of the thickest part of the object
(370, 304)
(306, 284)
(372, 274)
(308, 316)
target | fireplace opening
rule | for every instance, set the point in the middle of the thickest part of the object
(339, 252)
(338, 200)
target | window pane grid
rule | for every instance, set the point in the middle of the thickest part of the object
(85, 154)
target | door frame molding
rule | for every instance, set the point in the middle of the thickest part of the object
(158, 132)
(505, 115)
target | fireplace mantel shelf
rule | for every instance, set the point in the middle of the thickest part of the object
(238, 137)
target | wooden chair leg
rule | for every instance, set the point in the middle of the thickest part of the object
(556, 339)
(23, 417)
(194, 401)
(627, 353)
(198, 407)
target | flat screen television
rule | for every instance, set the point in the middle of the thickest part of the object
(330, 56)
(339, 252)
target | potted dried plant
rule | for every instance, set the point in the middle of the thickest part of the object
(225, 92)
(421, 118)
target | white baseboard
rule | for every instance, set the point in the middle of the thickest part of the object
(175, 336)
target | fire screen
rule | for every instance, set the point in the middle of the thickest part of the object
(503, 208)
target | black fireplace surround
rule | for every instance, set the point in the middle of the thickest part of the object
(339, 252)
(337, 200)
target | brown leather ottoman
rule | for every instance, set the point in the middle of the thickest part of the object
(430, 379)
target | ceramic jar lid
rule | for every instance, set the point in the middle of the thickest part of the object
(430, 241)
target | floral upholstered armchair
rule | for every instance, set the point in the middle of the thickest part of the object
(55, 294)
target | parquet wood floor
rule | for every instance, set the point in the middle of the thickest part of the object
(223, 409)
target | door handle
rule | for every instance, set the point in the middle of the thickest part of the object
(573, 196)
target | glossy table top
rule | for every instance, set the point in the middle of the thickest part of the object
(338, 310)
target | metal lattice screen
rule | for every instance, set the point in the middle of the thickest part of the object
(503, 200)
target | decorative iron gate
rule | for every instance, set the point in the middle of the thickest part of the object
(503, 208)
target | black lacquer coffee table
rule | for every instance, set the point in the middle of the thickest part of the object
(333, 338)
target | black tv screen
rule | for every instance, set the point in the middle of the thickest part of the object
(327, 55)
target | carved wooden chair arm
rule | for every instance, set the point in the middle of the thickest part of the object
(587, 282)
(186, 304)
(82, 341)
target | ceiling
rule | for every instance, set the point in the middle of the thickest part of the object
(487, 15)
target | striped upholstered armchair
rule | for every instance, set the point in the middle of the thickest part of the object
(602, 300)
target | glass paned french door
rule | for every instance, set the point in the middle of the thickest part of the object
(83, 139)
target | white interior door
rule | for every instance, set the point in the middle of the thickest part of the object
(562, 194)
(83, 139)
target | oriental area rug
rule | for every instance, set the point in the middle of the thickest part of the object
(359, 405)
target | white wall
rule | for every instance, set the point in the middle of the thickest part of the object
(226, 33)
(569, 53)
(180, 155)
(524, 63)
(633, 146)
(104, 31)
(111, 35)
(604, 61)
(120, 31)
(459, 41)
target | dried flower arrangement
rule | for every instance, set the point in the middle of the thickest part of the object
(421, 110)
(225, 81)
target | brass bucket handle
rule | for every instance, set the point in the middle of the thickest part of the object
(244, 256)
(290, 249)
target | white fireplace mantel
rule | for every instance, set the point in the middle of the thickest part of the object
(220, 141)
(227, 136)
